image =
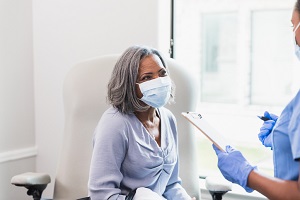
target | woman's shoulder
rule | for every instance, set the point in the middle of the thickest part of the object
(112, 126)
(295, 102)
(114, 119)
(113, 113)
(298, 95)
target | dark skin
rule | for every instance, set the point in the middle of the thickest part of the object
(151, 67)
(295, 21)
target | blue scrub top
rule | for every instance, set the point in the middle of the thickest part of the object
(286, 141)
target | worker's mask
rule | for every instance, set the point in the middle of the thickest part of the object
(297, 47)
(156, 92)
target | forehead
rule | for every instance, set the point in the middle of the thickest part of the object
(295, 17)
(150, 62)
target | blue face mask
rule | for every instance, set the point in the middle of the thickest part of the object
(297, 48)
(156, 92)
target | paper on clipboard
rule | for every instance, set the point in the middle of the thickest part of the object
(213, 135)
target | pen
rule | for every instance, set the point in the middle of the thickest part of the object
(263, 118)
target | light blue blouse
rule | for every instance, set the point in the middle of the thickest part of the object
(126, 157)
(286, 142)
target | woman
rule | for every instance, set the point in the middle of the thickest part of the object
(135, 141)
(282, 134)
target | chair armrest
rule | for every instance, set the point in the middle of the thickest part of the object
(34, 182)
(30, 178)
(217, 184)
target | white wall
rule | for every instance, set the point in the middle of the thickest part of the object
(17, 139)
(40, 40)
(69, 31)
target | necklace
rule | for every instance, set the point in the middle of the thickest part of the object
(153, 131)
(148, 130)
(152, 127)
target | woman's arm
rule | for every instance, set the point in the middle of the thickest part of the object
(109, 148)
(274, 188)
(174, 189)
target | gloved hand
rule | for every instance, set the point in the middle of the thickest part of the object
(234, 167)
(265, 135)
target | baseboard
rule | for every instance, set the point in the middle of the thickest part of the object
(18, 154)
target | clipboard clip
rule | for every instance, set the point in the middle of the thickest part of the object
(195, 115)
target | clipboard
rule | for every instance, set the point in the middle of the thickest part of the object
(212, 134)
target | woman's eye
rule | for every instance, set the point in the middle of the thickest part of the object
(164, 73)
(146, 78)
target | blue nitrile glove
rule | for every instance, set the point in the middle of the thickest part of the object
(234, 167)
(265, 135)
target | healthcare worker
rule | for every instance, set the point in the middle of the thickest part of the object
(282, 134)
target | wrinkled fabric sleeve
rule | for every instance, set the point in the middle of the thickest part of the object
(109, 148)
(174, 189)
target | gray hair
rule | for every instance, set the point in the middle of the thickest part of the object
(122, 84)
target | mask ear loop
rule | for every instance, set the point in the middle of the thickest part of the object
(296, 28)
(295, 33)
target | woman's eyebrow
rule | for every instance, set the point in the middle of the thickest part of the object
(149, 73)
(162, 69)
(146, 73)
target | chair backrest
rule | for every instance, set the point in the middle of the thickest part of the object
(85, 92)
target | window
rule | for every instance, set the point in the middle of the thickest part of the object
(271, 57)
(242, 54)
(219, 62)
